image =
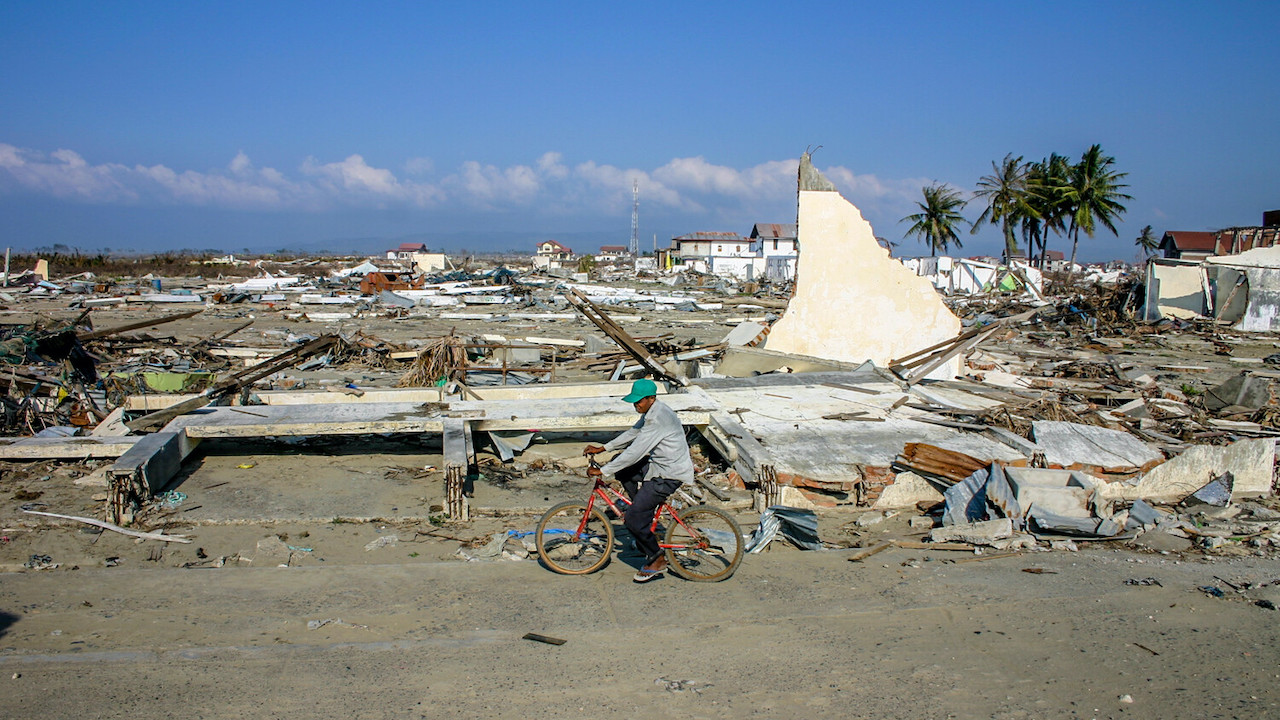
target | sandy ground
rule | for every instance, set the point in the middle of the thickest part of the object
(792, 634)
(276, 610)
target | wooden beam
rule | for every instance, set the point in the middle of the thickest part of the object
(937, 361)
(82, 337)
(615, 332)
(112, 425)
(539, 391)
(456, 458)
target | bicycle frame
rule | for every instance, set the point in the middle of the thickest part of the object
(602, 490)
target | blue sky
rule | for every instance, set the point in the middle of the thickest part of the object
(145, 126)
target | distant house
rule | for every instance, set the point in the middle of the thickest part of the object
(613, 251)
(1188, 244)
(769, 253)
(551, 255)
(552, 250)
(406, 251)
(714, 253)
(1055, 261)
(777, 244)
(417, 258)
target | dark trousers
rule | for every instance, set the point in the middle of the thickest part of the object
(645, 499)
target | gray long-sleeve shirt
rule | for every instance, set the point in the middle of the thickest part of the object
(658, 435)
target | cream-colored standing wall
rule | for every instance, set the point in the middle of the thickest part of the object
(852, 301)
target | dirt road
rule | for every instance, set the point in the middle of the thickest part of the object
(793, 634)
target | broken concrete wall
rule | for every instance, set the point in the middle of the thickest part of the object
(1262, 309)
(1243, 289)
(1230, 292)
(852, 301)
(1251, 462)
(1174, 289)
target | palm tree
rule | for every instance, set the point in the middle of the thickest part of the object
(1047, 202)
(1147, 242)
(1094, 192)
(1005, 192)
(938, 219)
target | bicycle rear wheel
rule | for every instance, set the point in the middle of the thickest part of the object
(705, 546)
(570, 546)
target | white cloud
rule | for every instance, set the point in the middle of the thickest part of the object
(354, 175)
(64, 174)
(491, 187)
(547, 186)
(240, 164)
(549, 165)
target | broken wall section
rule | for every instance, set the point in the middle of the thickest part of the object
(852, 301)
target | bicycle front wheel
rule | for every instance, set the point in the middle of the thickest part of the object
(705, 545)
(573, 541)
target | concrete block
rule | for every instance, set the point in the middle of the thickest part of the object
(978, 533)
(518, 353)
(1017, 542)
(792, 497)
(271, 552)
(1243, 391)
(1157, 541)
(1061, 492)
(907, 490)
(596, 344)
(920, 522)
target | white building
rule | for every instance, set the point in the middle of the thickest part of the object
(552, 255)
(776, 244)
(770, 253)
(417, 258)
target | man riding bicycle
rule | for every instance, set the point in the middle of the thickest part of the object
(654, 463)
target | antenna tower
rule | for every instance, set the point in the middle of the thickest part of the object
(635, 218)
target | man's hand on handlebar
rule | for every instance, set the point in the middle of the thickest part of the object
(593, 450)
(593, 472)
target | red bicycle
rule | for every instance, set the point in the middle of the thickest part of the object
(701, 543)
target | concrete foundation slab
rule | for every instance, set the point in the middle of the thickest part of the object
(1069, 444)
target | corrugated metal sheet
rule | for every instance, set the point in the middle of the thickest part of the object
(772, 231)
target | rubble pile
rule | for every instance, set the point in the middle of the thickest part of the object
(1005, 411)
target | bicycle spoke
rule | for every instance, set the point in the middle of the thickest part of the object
(707, 545)
(568, 546)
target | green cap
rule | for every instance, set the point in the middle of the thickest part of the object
(641, 389)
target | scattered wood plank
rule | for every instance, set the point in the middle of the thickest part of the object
(873, 550)
(82, 337)
(543, 639)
